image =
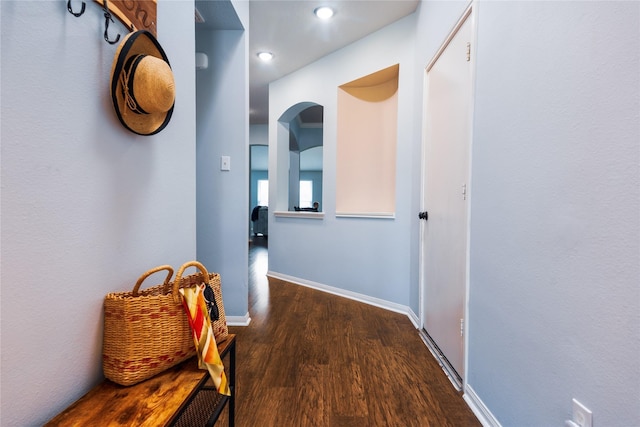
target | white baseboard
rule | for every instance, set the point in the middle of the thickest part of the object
(377, 302)
(238, 320)
(478, 407)
(414, 318)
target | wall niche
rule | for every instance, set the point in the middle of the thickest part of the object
(367, 130)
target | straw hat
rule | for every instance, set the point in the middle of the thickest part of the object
(142, 85)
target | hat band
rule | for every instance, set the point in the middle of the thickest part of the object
(126, 77)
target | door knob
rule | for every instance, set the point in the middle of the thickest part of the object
(423, 215)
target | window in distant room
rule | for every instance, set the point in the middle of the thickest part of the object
(263, 192)
(306, 194)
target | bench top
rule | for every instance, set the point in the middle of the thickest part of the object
(151, 403)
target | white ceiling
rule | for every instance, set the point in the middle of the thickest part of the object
(290, 30)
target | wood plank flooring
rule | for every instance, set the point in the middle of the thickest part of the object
(310, 358)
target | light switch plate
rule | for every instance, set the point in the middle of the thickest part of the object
(225, 163)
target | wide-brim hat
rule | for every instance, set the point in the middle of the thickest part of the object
(142, 84)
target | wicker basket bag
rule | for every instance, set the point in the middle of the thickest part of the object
(145, 332)
(212, 295)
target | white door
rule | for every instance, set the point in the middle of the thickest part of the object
(446, 165)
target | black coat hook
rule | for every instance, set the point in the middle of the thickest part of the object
(107, 18)
(106, 30)
(76, 14)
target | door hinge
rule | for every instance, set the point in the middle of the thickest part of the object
(461, 327)
(468, 51)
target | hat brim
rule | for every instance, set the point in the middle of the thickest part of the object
(136, 43)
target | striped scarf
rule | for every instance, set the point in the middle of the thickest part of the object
(205, 342)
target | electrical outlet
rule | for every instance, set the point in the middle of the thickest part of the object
(582, 416)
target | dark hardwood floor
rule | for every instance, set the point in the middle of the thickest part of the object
(310, 358)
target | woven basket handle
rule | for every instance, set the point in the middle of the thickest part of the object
(149, 273)
(176, 284)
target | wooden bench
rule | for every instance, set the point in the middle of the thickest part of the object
(181, 396)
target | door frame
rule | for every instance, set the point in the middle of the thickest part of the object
(469, 13)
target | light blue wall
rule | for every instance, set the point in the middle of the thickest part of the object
(554, 305)
(309, 137)
(555, 212)
(342, 254)
(259, 134)
(87, 206)
(223, 130)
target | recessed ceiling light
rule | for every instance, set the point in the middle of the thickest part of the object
(265, 56)
(323, 12)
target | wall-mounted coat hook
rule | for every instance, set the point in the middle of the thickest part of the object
(76, 14)
(132, 21)
(107, 18)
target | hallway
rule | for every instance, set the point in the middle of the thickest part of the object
(258, 283)
(310, 358)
